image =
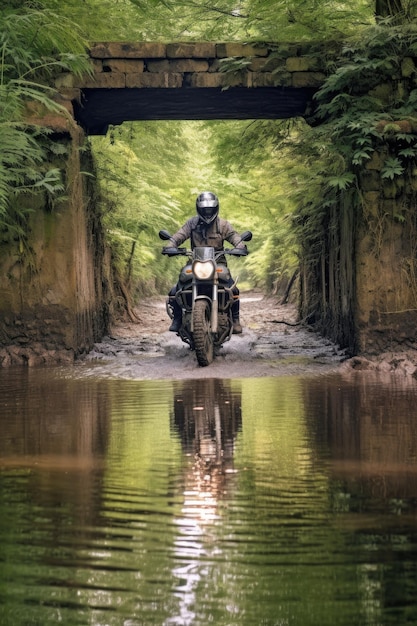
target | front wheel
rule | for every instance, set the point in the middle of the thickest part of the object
(203, 339)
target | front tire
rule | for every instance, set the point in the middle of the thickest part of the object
(203, 338)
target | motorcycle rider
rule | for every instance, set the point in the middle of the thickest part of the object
(207, 229)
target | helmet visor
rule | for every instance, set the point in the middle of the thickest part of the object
(207, 210)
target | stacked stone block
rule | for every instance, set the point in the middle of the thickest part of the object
(118, 65)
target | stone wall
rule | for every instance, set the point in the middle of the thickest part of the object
(386, 260)
(53, 282)
(119, 65)
(359, 267)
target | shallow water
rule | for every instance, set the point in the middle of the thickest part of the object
(256, 501)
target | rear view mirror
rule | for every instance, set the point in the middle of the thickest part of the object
(246, 236)
(164, 234)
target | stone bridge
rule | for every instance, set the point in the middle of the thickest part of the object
(189, 81)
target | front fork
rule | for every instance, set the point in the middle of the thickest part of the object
(214, 306)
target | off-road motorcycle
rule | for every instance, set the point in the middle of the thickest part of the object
(205, 297)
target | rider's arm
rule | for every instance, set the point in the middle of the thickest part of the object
(231, 235)
(183, 233)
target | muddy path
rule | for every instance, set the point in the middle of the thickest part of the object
(272, 344)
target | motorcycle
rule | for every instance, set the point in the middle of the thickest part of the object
(205, 297)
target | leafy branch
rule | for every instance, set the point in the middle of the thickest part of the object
(35, 45)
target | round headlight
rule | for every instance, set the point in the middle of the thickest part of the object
(203, 270)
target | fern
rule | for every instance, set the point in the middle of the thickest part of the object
(35, 45)
(234, 65)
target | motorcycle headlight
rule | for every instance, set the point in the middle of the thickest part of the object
(203, 270)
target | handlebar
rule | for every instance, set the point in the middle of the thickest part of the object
(171, 251)
(176, 251)
(236, 251)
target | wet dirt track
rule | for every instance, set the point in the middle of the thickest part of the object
(272, 344)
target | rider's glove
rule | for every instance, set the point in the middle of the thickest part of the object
(168, 250)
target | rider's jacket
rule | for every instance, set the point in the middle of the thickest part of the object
(202, 234)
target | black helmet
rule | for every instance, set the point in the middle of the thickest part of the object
(207, 205)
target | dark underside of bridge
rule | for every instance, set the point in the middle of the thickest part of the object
(100, 108)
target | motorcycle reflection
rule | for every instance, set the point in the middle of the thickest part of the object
(207, 417)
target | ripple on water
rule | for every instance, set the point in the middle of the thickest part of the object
(254, 501)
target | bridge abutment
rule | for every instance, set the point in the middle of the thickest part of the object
(54, 281)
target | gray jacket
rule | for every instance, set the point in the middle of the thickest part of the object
(202, 234)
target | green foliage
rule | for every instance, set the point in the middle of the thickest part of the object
(234, 65)
(367, 104)
(35, 44)
(392, 168)
(355, 114)
(342, 181)
(149, 173)
(219, 20)
(256, 155)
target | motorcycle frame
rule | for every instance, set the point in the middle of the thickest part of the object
(224, 305)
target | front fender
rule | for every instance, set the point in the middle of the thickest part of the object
(203, 297)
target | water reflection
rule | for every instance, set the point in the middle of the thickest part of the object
(207, 416)
(58, 434)
(369, 427)
(50, 420)
(239, 503)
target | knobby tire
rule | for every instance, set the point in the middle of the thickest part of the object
(203, 339)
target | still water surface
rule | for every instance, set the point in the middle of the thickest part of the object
(268, 501)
